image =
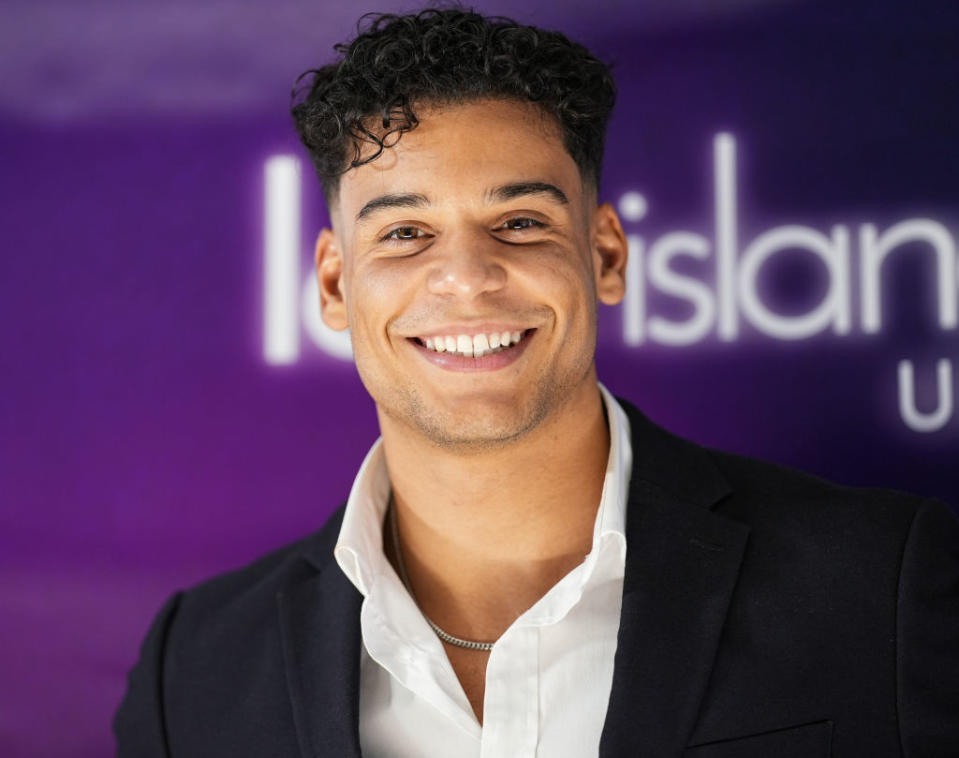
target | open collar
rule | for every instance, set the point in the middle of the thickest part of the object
(682, 563)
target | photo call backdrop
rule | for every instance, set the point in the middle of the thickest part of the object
(787, 174)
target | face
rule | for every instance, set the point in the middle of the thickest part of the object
(467, 262)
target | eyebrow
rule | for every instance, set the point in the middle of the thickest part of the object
(522, 189)
(408, 200)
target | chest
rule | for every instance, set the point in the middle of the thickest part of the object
(543, 691)
(470, 669)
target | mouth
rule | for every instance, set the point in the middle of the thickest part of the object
(470, 353)
(473, 346)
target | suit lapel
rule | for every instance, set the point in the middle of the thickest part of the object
(682, 563)
(319, 617)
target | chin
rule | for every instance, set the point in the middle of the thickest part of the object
(485, 426)
(472, 440)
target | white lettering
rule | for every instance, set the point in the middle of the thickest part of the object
(634, 304)
(716, 302)
(281, 249)
(632, 206)
(875, 248)
(933, 420)
(666, 280)
(724, 171)
(835, 306)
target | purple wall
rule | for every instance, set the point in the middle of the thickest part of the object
(145, 441)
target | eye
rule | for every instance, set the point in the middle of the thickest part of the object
(403, 234)
(521, 223)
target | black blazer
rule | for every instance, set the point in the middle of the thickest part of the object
(766, 614)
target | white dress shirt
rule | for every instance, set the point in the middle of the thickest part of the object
(549, 675)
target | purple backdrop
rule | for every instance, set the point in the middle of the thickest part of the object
(786, 172)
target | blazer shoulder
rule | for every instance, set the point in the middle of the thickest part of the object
(788, 508)
(775, 486)
(255, 584)
(768, 495)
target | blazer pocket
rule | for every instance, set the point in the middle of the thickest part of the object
(806, 741)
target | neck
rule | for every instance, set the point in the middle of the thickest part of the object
(485, 534)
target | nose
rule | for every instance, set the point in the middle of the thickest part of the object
(466, 268)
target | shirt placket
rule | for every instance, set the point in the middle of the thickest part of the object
(511, 702)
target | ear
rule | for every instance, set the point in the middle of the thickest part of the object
(610, 252)
(329, 275)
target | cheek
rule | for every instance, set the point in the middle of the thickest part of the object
(564, 278)
(379, 293)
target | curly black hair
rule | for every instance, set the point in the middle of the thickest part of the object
(446, 56)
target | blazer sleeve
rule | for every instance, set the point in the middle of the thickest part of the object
(928, 635)
(139, 724)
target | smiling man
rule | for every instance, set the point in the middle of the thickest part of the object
(526, 566)
(467, 263)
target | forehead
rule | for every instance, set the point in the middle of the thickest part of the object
(458, 152)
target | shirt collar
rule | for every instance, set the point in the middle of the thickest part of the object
(359, 548)
(611, 516)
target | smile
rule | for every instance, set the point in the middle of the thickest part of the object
(475, 346)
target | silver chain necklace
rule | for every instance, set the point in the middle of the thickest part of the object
(446, 637)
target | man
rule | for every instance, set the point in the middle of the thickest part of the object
(525, 565)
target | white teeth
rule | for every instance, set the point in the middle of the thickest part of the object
(480, 345)
(473, 347)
